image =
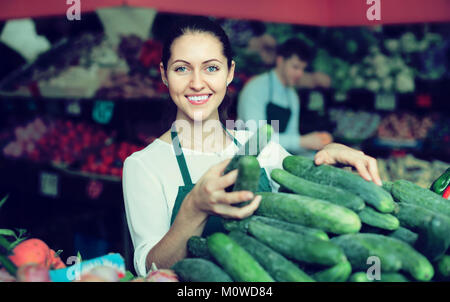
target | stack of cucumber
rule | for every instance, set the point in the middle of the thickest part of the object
(325, 224)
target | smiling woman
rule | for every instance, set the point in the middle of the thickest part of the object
(175, 188)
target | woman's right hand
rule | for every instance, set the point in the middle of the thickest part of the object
(209, 196)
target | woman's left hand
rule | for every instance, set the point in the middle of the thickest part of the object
(337, 153)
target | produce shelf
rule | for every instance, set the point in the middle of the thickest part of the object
(86, 211)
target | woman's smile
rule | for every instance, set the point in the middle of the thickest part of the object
(197, 75)
(198, 99)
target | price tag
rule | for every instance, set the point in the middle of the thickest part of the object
(49, 184)
(103, 111)
(73, 108)
(385, 101)
(316, 102)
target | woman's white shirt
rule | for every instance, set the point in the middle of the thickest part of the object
(151, 178)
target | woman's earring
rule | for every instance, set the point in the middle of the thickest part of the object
(165, 83)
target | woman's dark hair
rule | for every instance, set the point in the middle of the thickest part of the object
(295, 46)
(196, 24)
(199, 24)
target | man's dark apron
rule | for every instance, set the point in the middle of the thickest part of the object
(214, 223)
(275, 112)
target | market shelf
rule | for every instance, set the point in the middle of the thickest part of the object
(76, 211)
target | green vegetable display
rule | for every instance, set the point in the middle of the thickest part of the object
(242, 225)
(274, 263)
(295, 246)
(337, 273)
(314, 229)
(200, 270)
(332, 176)
(408, 192)
(305, 187)
(235, 260)
(309, 211)
(374, 218)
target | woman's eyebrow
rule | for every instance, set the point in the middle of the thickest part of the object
(186, 62)
(208, 61)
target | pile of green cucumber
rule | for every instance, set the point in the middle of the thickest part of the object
(326, 224)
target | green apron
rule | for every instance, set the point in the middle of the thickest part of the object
(275, 112)
(214, 223)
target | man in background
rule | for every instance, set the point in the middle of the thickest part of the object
(273, 96)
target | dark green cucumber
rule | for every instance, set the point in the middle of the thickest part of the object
(337, 273)
(380, 220)
(405, 234)
(198, 248)
(248, 176)
(295, 246)
(310, 212)
(280, 268)
(384, 277)
(199, 270)
(387, 186)
(235, 260)
(432, 228)
(254, 145)
(413, 262)
(336, 177)
(438, 238)
(408, 192)
(443, 266)
(305, 187)
(242, 225)
(393, 277)
(359, 277)
(358, 252)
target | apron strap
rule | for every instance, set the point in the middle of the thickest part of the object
(180, 157)
(264, 183)
(235, 141)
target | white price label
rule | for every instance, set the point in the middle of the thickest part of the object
(49, 184)
(73, 108)
(385, 101)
